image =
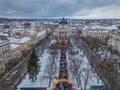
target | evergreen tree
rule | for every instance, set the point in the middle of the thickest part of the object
(33, 66)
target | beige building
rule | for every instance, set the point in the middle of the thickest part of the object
(39, 27)
(4, 50)
(24, 42)
(33, 35)
(41, 35)
(52, 26)
(16, 51)
(98, 31)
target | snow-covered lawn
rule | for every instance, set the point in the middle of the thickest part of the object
(27, 83)
(45, 59)
(93, 78)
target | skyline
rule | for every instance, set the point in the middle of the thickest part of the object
(45, 9)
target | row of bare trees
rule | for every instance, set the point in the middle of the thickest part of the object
(50, 70)
(79, 72)
(107, 67)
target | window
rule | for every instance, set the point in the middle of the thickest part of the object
(60, 33)
(65, 33)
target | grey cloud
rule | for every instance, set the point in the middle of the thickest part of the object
(50, 8)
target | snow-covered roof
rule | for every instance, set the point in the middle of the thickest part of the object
(53, 41)
(13, 46)
(62, 28)
(18, 29)
(101, 27)
(32, 31)
(19, 40)
(97, 30)
(3, 42)
(5, 34)
(48, 22)
(73, 27)
(21, 30)
(40, 33)
(19, 26)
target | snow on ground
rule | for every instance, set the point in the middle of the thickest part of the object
(27, 83)
(94, 80)
(43, 60)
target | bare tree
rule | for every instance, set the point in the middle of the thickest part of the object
(80, 72)
(75, 69)
(50, 70)
(86, 76)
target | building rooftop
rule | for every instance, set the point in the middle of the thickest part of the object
(19, 40)
(97, 30)
(27, 23)
(63, 21)
(112, 27)
(40, 33)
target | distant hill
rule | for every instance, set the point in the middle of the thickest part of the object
(3, 20)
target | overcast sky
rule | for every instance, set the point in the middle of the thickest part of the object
(60, 8)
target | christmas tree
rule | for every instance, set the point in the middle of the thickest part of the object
(33, 66)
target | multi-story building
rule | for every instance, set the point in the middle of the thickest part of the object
(99, 32)
(96, 33)
(26, 30)
(63, 29)
(31, 34)
(16, 51)
(52, 26)
(114, 42)
(39, 27)
(27, 25)
(4, 50)
(41, 35)
(25, 42)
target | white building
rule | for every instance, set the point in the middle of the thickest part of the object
(64, 29)
(114, 41)
(100, 32)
